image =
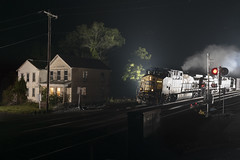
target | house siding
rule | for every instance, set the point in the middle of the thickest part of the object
(28, 68)
(97, 89)
(97, 83)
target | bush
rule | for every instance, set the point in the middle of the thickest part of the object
(53, 98)
(7, 96)
(15, 94)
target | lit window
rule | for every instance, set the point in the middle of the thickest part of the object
(27, 77)
(51, 90)
(65, 75)
(58, 91)
(58, 75)
(33, 77)
(33, 92)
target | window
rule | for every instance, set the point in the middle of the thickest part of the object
(33, 77)
(33, 92)
(22, 75)
(51, 75)
(58, 75)
(58, 91)
(65, 75)
(51, 91)
(27, 92)
(27, 77)
(102, 77)
(85, 75)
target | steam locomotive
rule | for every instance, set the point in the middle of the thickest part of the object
(168, 85)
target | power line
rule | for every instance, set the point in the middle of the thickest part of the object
(119, 9)
(103, 5)
(27, 15)
(22, 41)
(21, 25)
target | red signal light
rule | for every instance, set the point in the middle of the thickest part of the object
(214, 71)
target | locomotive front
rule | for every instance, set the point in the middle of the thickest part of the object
(151, 87)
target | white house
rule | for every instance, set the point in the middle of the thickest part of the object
(33, 73)
(68, 74)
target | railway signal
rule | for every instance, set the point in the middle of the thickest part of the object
(223, 71)
(215, 71)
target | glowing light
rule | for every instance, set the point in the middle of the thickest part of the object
(58, 91)
(152, 90)
(51, 90)
(214, 71)
(150, 78)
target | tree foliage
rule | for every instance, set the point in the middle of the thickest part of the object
(134, 69)
(93, 41)
(15, 94)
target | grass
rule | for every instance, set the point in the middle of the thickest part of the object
(21, 109)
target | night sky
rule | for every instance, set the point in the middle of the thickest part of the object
(171, 30)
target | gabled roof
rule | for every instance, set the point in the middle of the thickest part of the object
(78, 62)
(39, 65)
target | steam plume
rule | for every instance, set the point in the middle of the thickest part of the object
(225, 56)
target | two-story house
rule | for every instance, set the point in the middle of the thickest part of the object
(69, 73)
(33, 73)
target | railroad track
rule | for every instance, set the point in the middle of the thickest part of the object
(43, 136)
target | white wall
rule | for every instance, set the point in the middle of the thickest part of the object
(27, 67)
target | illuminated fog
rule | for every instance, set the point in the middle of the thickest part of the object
(225, 56)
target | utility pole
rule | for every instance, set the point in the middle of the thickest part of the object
(50, 16)
(208, 73)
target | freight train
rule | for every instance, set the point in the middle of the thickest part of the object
(168, 85)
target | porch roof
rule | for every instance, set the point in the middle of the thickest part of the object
(57, 84)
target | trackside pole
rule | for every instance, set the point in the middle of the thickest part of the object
(79, 99)
(208, 91)
(223, 102)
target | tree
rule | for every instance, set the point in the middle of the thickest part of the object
(15, 94)
(19, 90)
(136, 65)
(92, 42)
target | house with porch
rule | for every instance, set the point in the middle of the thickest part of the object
(72, 75)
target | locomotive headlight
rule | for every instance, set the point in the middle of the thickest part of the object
(152, 90)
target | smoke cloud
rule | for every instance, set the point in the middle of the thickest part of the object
(225, 56)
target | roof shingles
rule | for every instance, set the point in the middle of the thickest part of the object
(75, 61)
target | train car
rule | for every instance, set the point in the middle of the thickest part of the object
(167, 85)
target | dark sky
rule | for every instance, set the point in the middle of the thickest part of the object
(171, 30)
